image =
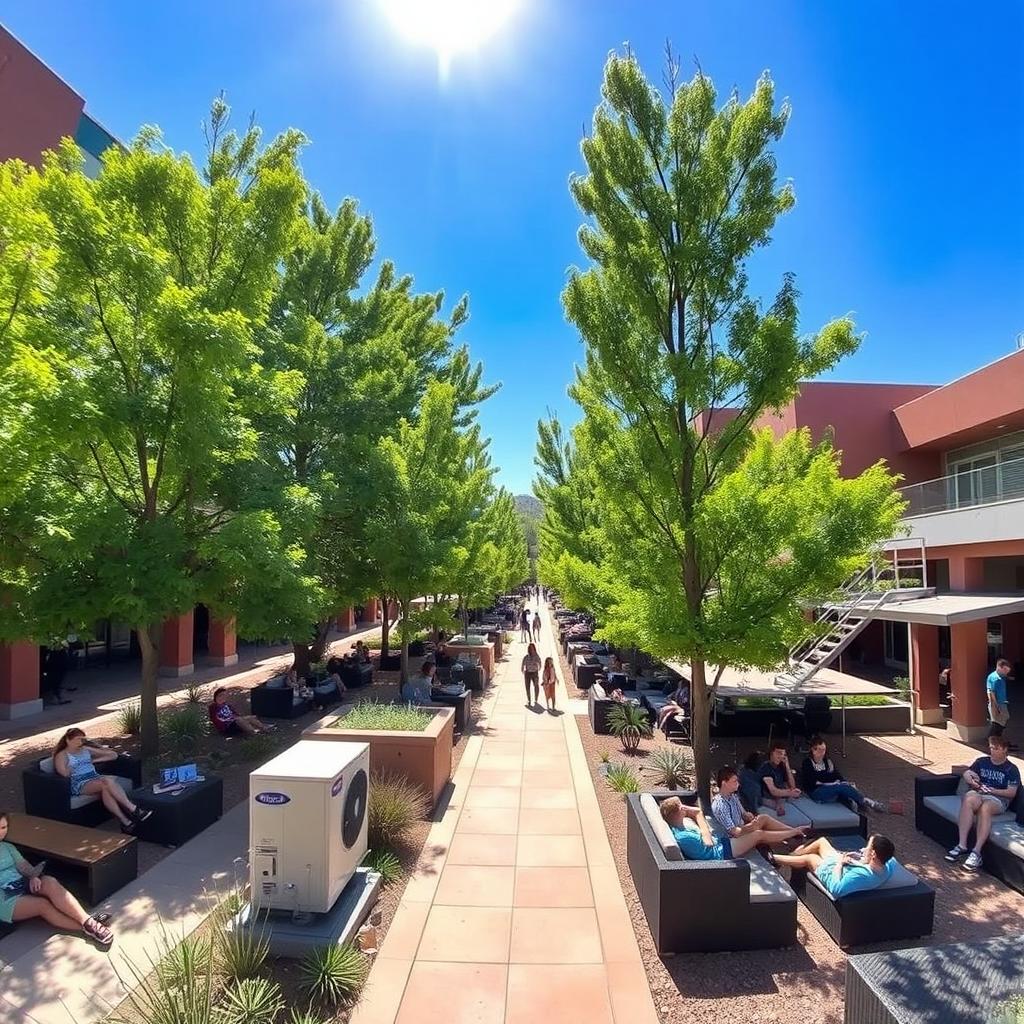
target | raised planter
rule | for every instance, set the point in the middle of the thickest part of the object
(424, 758)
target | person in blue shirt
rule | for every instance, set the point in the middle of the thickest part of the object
(998, 709)
(843, 873)
(418, 689)
(992, 784)
(697, 842)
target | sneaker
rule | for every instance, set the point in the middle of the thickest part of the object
(876, 805)
(141, 814)
(955, 854)
(129, 829)
(973, 861)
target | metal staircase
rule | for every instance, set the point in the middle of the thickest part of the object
(854, 606)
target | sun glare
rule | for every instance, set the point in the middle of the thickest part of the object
(449, 27)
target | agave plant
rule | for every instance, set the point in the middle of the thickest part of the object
(331, 974)
(670, 767)
(252, 1001)
(629, 724)
(621, 778)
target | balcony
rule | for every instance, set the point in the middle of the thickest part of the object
(973, 505)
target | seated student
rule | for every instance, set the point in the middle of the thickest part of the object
(331, 688)
(824, 783)
(298, 685)
(679, 704)
(227, 721)
(418, 689)
(727, 810)
(777, 777)
(993, 781)
(26, 893)
(700, 844)
(751, 791)
(843, 873)
(362, 653)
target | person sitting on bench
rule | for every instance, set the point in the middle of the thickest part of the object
(823, 782)
(678, 704)
(25, 892)
(419, 689)
(362, 653)
(993, 783)
(727, 810)
(777, 777)
(751, 792)
(843, 873)
(77, 763)
(228, 722)
(700, 844)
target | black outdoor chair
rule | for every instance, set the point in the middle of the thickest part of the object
(814, 717)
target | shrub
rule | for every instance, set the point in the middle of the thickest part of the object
(369, 714)
(190, 1001)
(621, 778)
(331, 974)
(1009, 1012)
(298, 1016)
(190, 959)
(129, 719)
(258, 747)
(394, 804)
(252, 1001)
(183, 727)
(242, 952)
(196, 694)
(385, 863)
(670, 767)
(630, 724)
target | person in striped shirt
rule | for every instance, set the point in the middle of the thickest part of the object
(727, 810)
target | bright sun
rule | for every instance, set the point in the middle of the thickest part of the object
(449, 27)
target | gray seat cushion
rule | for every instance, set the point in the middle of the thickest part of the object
(662, 832)
(1009, 836)
(948, 807)
(824, 816)
(794, 817)
(766, 884)
(85, 799)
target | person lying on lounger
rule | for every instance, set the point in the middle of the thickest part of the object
(843, 873)
(700, 844)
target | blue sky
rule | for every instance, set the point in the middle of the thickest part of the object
(905, 148)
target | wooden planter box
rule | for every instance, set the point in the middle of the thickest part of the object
(424, 758)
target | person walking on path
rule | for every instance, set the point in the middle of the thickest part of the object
(548, 681)
(531, 673)
(25, 892)
(536, 625)
(524, 626)
(998, 709)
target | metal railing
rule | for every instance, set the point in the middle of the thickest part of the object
(968, 488)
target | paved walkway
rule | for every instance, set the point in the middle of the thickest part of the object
(514, 914)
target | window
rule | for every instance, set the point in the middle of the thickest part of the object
(897, 646)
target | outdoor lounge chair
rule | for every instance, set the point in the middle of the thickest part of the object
(276, 699)
(48, 795)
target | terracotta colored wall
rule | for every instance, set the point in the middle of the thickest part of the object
(970, 409)
(864, 428)
(37, 109)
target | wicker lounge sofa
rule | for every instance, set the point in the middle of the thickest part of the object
(48, 795)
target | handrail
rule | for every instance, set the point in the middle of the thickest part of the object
(943, 494)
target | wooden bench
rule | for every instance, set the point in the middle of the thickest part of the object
(90, 863)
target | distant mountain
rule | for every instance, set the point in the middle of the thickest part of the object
(529, 505)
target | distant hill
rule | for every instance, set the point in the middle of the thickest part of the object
(529, 505)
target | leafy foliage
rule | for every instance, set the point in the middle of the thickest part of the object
(182, 727)
(332, 974)
(670, 767)
(242, 952)
(394, 804)
(369, 714)
(629, 724)
(129, 719)
(621, 778)
(385, 863)
(252, 1001)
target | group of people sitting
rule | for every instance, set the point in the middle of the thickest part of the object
(743, 826)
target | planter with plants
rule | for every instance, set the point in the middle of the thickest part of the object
(629, 724)
(415, 742)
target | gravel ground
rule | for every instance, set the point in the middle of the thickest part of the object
(806, 982)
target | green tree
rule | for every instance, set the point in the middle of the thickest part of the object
(709, 534)
(141, 333)
(434, 482)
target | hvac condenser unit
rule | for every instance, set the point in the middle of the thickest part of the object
(307, 824)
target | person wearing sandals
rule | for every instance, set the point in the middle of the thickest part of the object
(548, 682)
(25, 892)
(77, 763)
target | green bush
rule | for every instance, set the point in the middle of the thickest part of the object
(369, 714)
(670, 767)
(621, 778)
(252, 1001)
(129, 719)
(190, 959)
(1009, 1012)
(196, 694)
(258, 747)
(182, 728)
(332, 974)
(394, 804)
(242, 952)
(385, 863)
(298, 1016)
(629, 724)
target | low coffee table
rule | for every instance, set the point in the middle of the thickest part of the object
(461, 703)
(177, 817)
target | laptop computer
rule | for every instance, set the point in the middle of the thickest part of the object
(182, 775)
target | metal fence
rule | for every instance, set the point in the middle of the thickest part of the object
(967, 488)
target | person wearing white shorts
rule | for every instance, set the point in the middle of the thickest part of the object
(992, 783)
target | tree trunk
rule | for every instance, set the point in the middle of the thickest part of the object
(300, 658)
(700, 728)
(305, 655)
(404, 676)
(150, 732)
(385, 628)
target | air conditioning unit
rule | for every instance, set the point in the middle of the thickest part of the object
(307, 825)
